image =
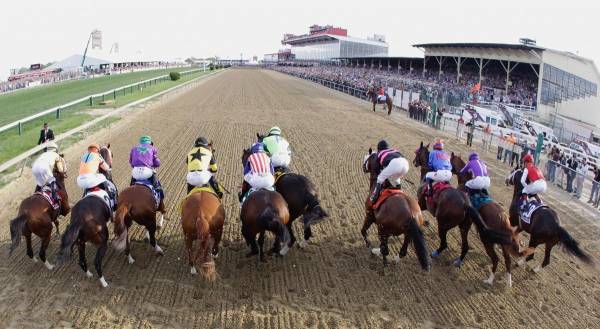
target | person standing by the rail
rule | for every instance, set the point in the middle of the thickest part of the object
(46, 134)
(582, 170)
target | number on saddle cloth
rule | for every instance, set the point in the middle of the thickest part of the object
(532, 206)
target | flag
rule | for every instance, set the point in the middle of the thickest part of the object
(475, 88)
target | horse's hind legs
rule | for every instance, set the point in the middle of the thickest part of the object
(27, 234)
(189, 246)
(404, 249)
(443, 242)
(98, 262)
(489, 249)
(82, 260)
(364, 231)
(151, 228)
(216, 240)
(547, 251)
(261, 243)
(130, 259)
(507, 265)
(464, 235)
(383, 249)
(57, 229)
(43, 247)
(292, 236)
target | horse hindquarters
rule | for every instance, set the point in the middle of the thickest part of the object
(416, 235)
(16, 230)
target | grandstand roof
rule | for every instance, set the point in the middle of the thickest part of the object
(479, 45)
(329, 37)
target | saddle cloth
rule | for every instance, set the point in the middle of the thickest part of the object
(478, 200)
(47, 194)
(532, 206)
(385, 194)
(437, 189)
(252, 190)
(155, 193)
(100, 193)
(195, 190)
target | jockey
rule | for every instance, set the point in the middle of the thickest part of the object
(89, 176)
(394, 167)
(537, 183)
(143, 159)
(481, 179)
(381, 93)
(202, 167)
(44, 166)
(278, 149)
(439, 164)
(258, 170)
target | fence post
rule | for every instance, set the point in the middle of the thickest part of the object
(91, 101)
(20, 128)
(115, 94)
(103, 97)
(58, 113)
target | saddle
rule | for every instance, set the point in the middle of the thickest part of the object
(279, 174)
(479, 199)
(437, 189)
(102, 195)
(532, 206)
(385, 194)
(252, 190)
(195, 190)
(381, 99)
(46, 192)
(147, 183)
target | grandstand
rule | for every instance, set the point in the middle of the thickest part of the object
(325, 43)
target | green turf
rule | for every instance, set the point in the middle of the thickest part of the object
(23, 103)
(13, 144)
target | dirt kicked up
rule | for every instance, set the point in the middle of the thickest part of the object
(335, 282)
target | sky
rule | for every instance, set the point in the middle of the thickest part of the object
(44, 31)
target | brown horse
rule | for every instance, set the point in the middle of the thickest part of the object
(372, 95)
(36, 216)
(454, 209)
(544, 227)
(136, 204)
(398, 214)
(495, 218)
(202, 218)
(263, 211)
(89, 218)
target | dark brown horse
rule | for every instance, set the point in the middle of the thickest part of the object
(398, 214)
(36, 216)
(263, 211)
(453, 209)
(544, 227)
(302, 199)
(202, 218)
(372, 95)
(136, 204)
(89, 219)
(495, 218)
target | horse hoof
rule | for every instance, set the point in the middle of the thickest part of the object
(435, 254)
(521, 262)
(147, 236)
(159, 250)
(376, 251)
(537, 269)
(49, 266)
(508, 280)
(489, 280)
(88, 274)
(397, 259)
(193, 270)
(458, 262)
(302, 244)
(34, 259)
(130, 259)
(103, 282)
(161, 221)
(284, 250)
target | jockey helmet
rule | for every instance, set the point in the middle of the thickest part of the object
(382, 145)
(275, 131)
(257, 147)
(528, 159)
(474, 156)
(145, 139)
(93, 147)
(201, 141)
(52, 146)
(438, 145)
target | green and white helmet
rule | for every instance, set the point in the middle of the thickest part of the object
(145, 139)
(275, 131)
(51, 146)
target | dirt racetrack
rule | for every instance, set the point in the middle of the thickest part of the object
(335, 282)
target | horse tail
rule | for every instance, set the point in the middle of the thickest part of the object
(487, 234)
(69, 237)
(120, 240)
(16, 229)
(269, 220)
(207, 267)
(419, 243)
(572, 245)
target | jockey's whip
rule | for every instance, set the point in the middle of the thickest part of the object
(225, 189)
(409, 181)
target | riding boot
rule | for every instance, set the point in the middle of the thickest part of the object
(157, 187)
(216, 187)
(376, 193)
(485, 192)
(524, 202)
(245, 188)
(132, 181)
(53, 190)
(190, 187)
(430, 192)
(37, 189)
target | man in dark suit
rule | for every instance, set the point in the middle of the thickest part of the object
(46, 134)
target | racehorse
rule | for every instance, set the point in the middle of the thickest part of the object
(422, 159)
(454, 209)
(372, 94)
(36, 216)
(89, 218)
(398, 214)
(302, 199)
(136, 203)
(494, 217)
(202, 218)
(544, 227)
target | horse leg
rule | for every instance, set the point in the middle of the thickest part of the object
(506, 254)
(292, 236)
(489, 249)
(27, 234)
(161, 215)
(464, 235)
(57, 229)
(374, 104)
(366, 225)
(130, 259)
(383, 239)
(98, 261)
(529, 252)
(151, 228)
(547, 251)
(250, 241)
(216, 240)
(404, 249)
(261, 243)
(82, 260)
(442, 232)
(189, 246)
(43, 247)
